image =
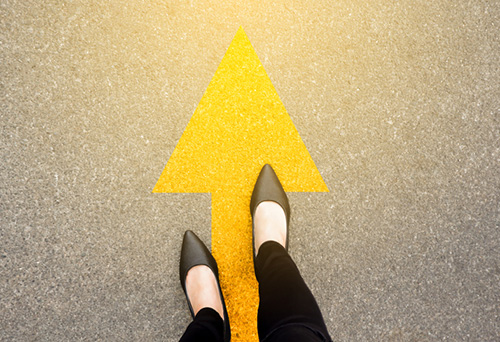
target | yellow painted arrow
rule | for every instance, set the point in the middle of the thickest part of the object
(239, 125)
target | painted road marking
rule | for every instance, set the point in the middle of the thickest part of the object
(239, 125)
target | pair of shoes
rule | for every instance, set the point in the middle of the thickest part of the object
(268, 188)
(194, 253)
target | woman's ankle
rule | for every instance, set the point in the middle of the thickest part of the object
(269, 224)
(203, 290)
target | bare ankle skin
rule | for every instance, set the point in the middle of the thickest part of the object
(203, 290)
(270, 224)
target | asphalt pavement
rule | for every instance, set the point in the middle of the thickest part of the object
(398, 104)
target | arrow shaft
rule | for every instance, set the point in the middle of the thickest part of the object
(232, 248)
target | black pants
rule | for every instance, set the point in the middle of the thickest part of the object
(287, 308)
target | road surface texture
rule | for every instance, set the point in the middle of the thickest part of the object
(397, 102)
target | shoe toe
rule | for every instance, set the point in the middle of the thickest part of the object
(269, 188)
(193, 253)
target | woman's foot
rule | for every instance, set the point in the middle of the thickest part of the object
(203, 290)
(269, 224)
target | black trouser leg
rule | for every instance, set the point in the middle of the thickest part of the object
(207, 326)
(287, 307)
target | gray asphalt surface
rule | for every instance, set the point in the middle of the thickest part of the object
(398, 104)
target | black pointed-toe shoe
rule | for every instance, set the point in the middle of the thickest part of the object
(194, 253)
(268, 188)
